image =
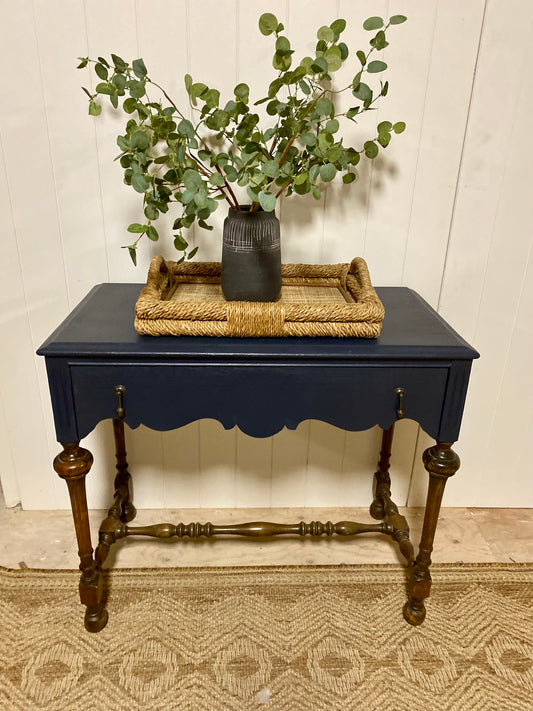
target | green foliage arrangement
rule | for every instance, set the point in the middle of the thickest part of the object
(168, 158)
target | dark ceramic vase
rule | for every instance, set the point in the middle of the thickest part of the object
(251, 256)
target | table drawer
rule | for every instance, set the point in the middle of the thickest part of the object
(259, 399)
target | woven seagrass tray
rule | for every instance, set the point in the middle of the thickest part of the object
(316, 300)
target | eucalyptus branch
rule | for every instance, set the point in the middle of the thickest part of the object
(168, 158)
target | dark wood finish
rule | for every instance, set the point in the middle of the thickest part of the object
(441, 462)
(382, 477)
(256, 529)
(72, 465)
(123, 495)
(99, 368)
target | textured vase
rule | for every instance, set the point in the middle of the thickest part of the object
(251, 256)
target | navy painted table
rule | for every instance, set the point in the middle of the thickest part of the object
(99, 367)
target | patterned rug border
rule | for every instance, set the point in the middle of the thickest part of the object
(191, 575)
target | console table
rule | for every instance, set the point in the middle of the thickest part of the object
(99, 368)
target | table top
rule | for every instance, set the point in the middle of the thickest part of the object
(102, 326)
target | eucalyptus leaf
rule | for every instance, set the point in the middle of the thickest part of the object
(281, 62)
(268, 23)
(152, 233)
(399, 127)
(363, 92)
(324, 107)
(101, 71)
(270, 168)
(139, 183)
(328, 172)
(180, 243)
(376, 66)
(119, 63)
(197, 90)
(94, 109)
(338, 26)
(201, 199)
(137, 228)
(267, 201)
(151, 212)
(105, 88)
(216, 179)
(308, 138)
(283, 46)
(301, 178)
(192, 180)
(119, 80)
(319, 65)
(371, 149)
(306, 64)
(397, 19)
(139, 140)
(139, 68)
(136, 88)
(379, 41)
(384, 139)
(242, 92)
(132, 249)
(373, 23)
(333, 58)
(211, 98)
(185, 128)
(326, 33)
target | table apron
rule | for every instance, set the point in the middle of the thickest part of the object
(260, 399)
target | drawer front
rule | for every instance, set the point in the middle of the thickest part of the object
(259, 399)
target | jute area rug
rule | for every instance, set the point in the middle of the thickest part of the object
(288, 638)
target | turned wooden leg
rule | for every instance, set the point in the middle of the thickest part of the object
(123, 479)
(441, 462)
(72, 465)
(382, 478)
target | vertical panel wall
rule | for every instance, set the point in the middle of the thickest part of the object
(444, 211)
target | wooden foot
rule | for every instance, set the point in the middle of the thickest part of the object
(95, 618)
(72, 465)
(441, 462)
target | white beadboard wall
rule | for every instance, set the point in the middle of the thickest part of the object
(446, 211)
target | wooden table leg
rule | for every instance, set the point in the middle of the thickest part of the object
(123, 477)
(382, 477)
(72, 465)
(441, 462)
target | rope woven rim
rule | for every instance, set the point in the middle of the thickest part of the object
(360, 316)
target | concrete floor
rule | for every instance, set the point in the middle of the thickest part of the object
(45, 539)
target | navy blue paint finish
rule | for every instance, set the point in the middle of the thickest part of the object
(259, 399)
(258, 384)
